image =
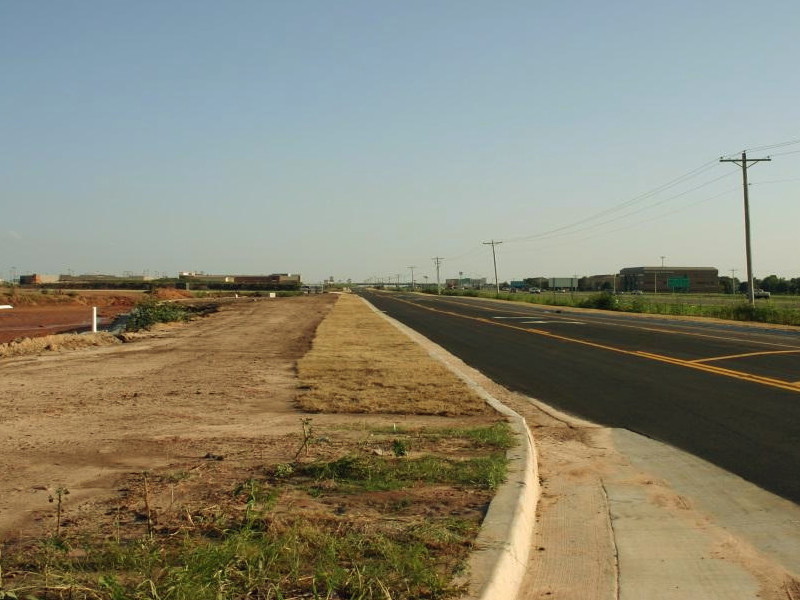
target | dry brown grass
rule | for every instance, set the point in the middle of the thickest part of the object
(359, 363)
(54, 343)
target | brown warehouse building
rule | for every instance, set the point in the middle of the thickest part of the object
(703, 280)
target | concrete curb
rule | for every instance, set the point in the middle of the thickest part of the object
(497, 567)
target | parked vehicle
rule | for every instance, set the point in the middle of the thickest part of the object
(761, 294)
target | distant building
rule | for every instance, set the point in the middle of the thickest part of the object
(275, 280)
(597, 283)
(565, 283)
(37, 278)
(283, 279)
(204, 278)
(88, 278)
(669, 279)
(465, 283)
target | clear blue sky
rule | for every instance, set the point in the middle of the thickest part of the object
(357, 138)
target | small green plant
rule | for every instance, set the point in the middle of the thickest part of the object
(399, 447)
(602, 301)
(147, 505)
(283, 470)
(58, 497)
(308, 433)
(149, 312)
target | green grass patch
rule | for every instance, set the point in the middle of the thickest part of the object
(298, 559)
(279, 533)
(497, 436)
(378, 473)
(780, 310)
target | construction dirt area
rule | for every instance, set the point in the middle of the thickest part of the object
(312, 428)
(38, 313)
(157, 435)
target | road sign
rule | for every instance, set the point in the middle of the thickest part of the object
(678, 283)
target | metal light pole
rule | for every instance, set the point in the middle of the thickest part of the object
(412, 277)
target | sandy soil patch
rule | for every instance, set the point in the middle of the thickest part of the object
(82, 419)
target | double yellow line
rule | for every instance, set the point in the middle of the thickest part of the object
(697, 366)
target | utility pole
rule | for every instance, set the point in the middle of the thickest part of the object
(412, 277)
(743, 162)
(733, 280)
(494, 259)
(438, 261)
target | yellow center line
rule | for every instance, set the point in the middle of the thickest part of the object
(767, 381)
(748, 354)
(638, 327)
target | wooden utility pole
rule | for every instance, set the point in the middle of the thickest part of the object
(438, 261)
(745, 162)
(494, 259)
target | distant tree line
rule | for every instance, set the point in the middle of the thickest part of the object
(772, 284)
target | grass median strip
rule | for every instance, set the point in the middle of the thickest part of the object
(359, 363)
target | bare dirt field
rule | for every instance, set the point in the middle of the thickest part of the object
(37, 314)
(151, 437)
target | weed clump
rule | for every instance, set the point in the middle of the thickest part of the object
(149, 312)
(602, 301)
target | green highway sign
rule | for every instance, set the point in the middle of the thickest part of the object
(678, 283)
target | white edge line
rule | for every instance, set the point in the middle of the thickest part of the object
(503, 543)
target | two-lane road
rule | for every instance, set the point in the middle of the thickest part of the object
(726, 392)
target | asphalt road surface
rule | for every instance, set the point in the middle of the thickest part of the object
(726, 392)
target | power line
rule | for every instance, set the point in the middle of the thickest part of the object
(623, 205)
(785, 153)
(627, 215)
(770, 146)
(641, 222)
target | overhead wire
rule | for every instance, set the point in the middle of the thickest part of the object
(573, 228)
(770, 146)
(554, 233)
(643, 221)
(785, 153)
(623, 205)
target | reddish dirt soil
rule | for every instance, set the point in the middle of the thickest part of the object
(48, 316)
